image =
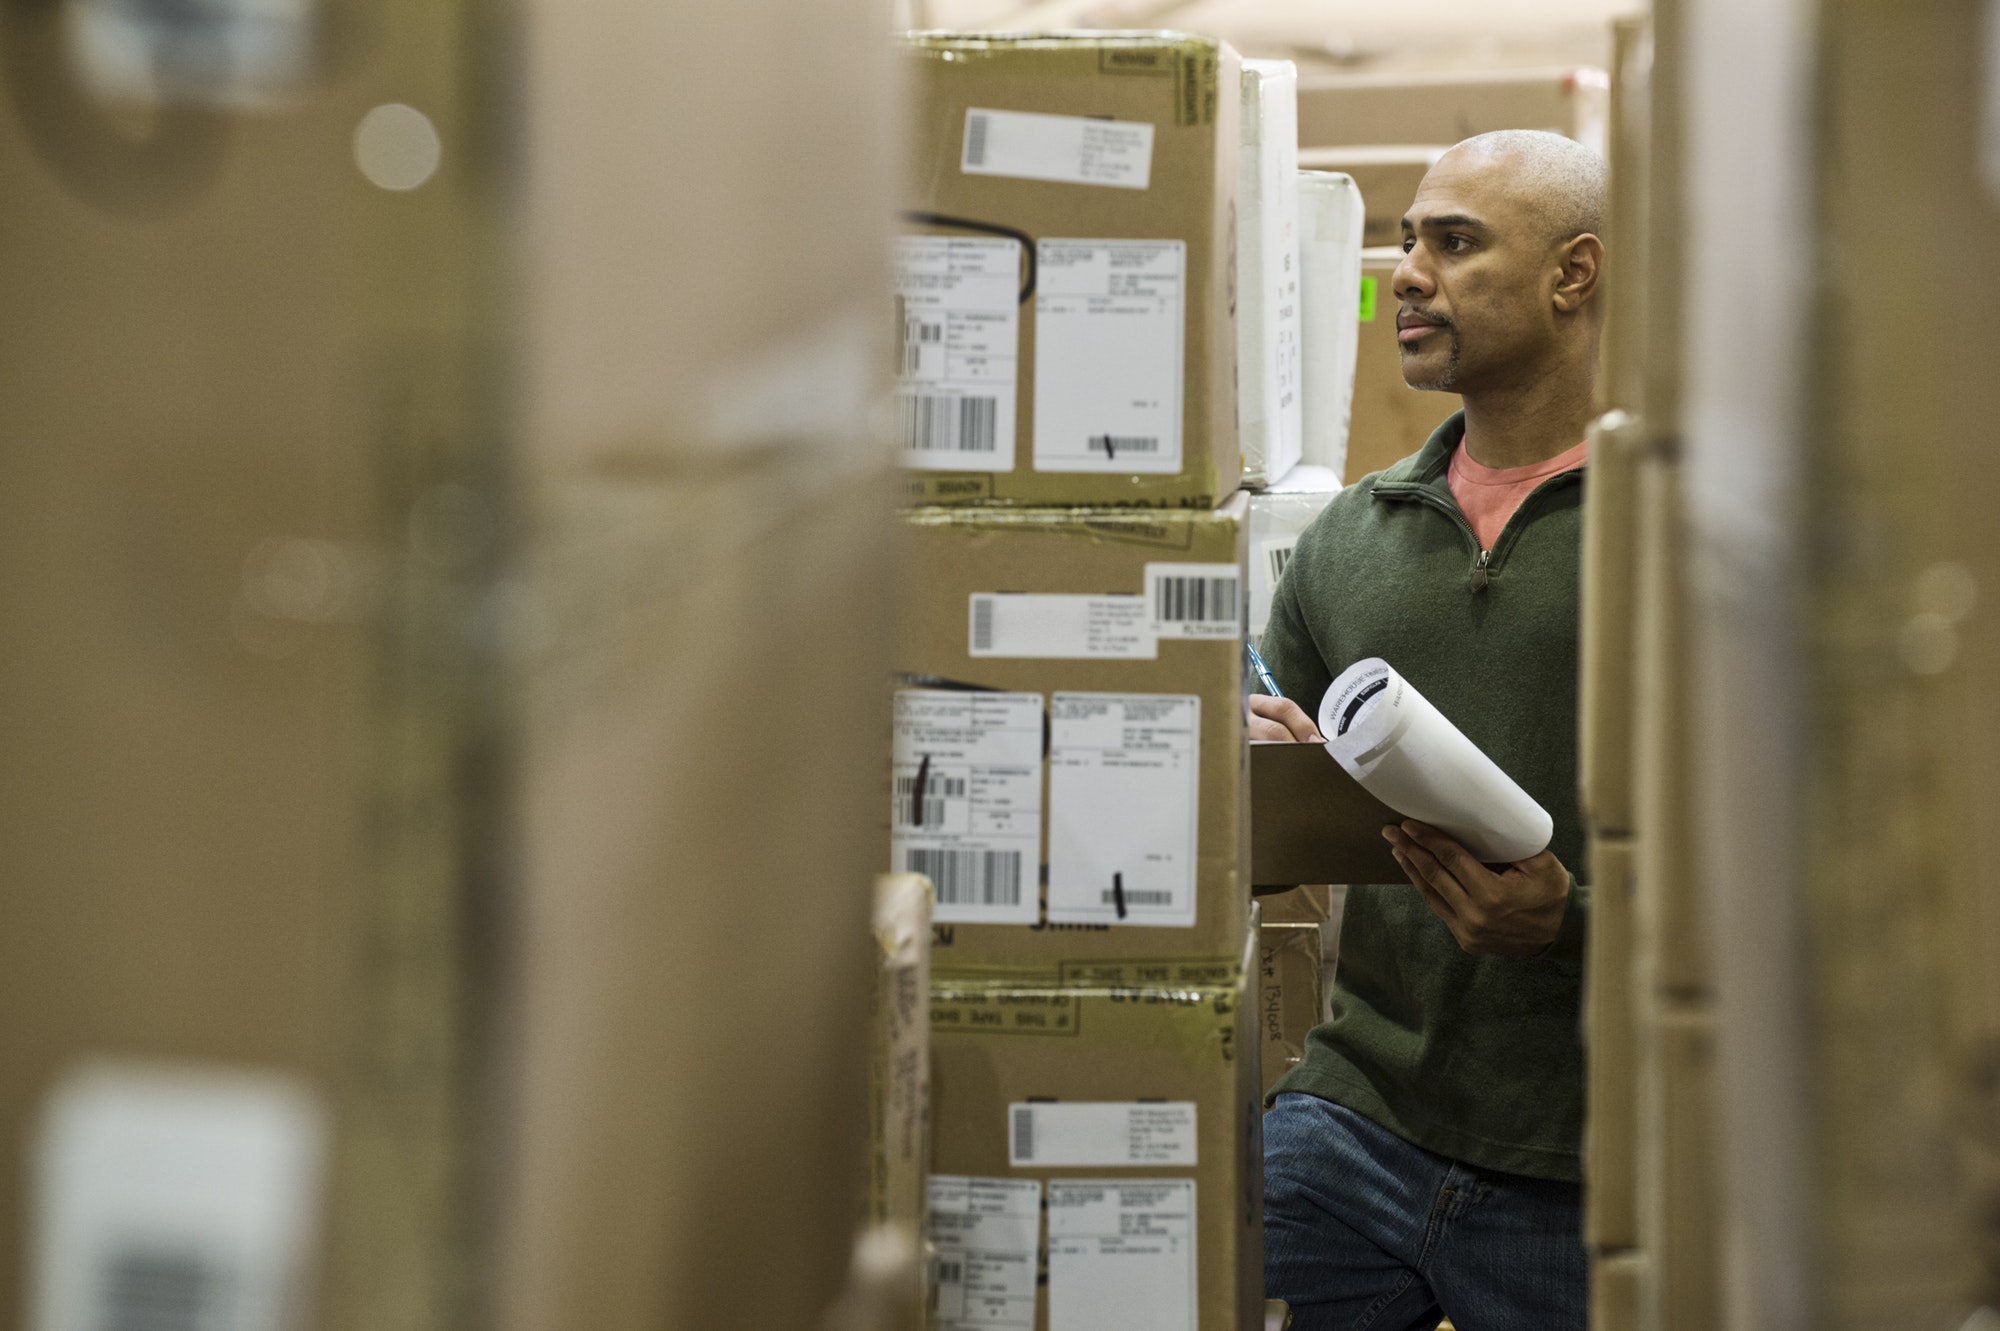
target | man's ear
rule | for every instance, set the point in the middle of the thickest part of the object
(1582, 268)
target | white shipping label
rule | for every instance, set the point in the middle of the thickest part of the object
(1109, 327)
(987, 1232)
(1104, 1134)
(1076, 150)
(966, 802)
(1124, 794)
(1195, 600)
(1060, 627)
(1122, 1255)
(958, 314)
(175, 1197)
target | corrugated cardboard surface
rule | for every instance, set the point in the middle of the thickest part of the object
(683, 875)
(711, 595)
(1289, 1000)
(1447, 107)
(234, 815)
(951, 554)
(1186, 87)
(1119, 1040)
(1391, 419)
(1611, 1037)
(1607, 681)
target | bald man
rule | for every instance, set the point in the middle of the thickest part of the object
(1422, 1161)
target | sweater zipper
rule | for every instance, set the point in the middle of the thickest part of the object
(1481, 573)
(1481, 558)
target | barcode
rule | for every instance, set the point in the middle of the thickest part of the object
(1024, 1133)
(917, 334)
(1195, 601)
(930, 814)
(951, 424)
(1133, 898)
(969, 877)
(155, 1290)
(950, 787)
(950, 1271)
(1111, 445)
(975, 139)
(982, 623)
(1279, 555)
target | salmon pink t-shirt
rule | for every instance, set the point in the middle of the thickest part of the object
(1488, 496)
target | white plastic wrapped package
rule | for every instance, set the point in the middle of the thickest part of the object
(1277, 516)
(1268, 334)
(1405, 753)
(1331, 217)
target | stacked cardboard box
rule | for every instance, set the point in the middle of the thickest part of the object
(1068, 759)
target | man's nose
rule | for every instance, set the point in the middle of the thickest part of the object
(1410, 281)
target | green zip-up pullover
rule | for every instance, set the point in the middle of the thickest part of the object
(1477, 1058)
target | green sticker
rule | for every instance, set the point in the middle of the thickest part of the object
(1367, 299)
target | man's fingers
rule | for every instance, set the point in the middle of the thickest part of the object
(1439, 906)
(1262, 728)
(1445, 849)
(1437, 876)
(1287, 714)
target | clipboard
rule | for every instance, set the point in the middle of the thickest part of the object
(1310, 822)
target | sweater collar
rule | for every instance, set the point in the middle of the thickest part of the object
(1429, 467)
(1429, 464)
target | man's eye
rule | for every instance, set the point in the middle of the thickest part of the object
(1409, 243)
(1457, 244)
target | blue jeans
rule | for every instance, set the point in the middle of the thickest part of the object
(1365, 1232)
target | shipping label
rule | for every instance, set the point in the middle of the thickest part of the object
(958, 321)
(987, 1233)
(1124, 792)
(1095, 1135)
(1109, 331)
(966, 801)
(1061, 627)
(1075, 150)
(1122, 1255)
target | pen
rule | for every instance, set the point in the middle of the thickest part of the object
(1263, 671)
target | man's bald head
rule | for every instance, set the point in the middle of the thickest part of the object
(1562, 182)
(1501, 260)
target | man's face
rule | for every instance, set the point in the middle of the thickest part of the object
(1475, 285)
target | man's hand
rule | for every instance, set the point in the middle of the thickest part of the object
(1513, 913)
(1281, 719)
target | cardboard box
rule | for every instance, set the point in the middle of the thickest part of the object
(1290, 1000)
(1607, 681)
(1387, 175)
(1071, 696)
(1331, 217)
(1269, 399)
(1611, 1040)
(1067, 281)
(1277, 516)
(899, 1082)
(1391, 419)
(1446, 107)
(1066, 1114)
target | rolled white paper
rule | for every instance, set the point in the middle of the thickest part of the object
(1405, 753)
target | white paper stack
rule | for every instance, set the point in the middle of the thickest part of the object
(1331, 217)
(1405, 753)
(1277, 516)
(1267, 272)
